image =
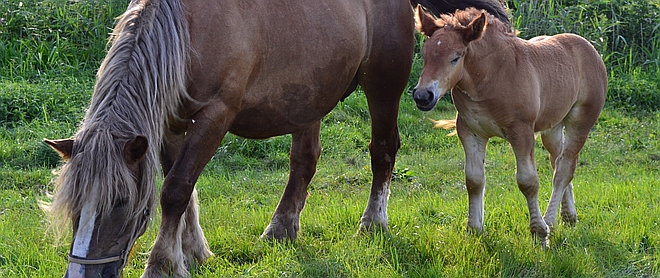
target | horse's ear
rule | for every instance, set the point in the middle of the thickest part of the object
(476, 29)
(424, 22)
(63, 147)
(135, 149)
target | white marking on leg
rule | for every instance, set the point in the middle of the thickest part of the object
(381, 204)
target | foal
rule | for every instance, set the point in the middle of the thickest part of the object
(511, 88)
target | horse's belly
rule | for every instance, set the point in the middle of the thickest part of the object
(261, 123)
(285, 112)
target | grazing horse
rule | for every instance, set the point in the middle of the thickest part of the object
(179, 76)
(511, 88)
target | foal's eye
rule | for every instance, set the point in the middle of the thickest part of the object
(455, 60)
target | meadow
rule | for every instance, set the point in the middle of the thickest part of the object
(50, 50)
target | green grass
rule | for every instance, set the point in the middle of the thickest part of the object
(49, 51)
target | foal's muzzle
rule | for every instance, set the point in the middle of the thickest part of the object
(424, 98)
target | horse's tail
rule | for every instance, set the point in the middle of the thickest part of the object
(438, 7)
(445, 124)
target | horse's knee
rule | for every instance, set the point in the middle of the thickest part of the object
(528, 182)
(175, 196)
(475, 178)
(475, 182)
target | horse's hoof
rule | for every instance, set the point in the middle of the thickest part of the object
(569, 218)
(370, 227)
(275, 232)
(541, 235)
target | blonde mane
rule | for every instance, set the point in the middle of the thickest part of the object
(140, 84)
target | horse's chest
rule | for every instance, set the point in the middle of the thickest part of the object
(480, 117)
(481, 124)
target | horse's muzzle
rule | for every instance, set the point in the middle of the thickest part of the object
(424, 98)
(109, 270)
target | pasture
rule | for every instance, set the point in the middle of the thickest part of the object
(49, 52)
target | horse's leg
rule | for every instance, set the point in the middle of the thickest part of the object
(522, 141)
(553, 140)
(202, 139)
(305, 152)
(194, 245)
(383, 147)
(385, 142)
(578, 123)
(474, 147)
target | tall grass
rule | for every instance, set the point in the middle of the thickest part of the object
(625, 32)
(54, 36)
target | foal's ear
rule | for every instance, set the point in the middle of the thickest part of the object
(63, 147)
(475, 30)
(135, 149)
(424, 22)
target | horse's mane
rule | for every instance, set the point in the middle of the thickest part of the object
(440, 7)
(139, 85)
(462, 18)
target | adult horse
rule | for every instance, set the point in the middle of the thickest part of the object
(511, 88)
(180, 75)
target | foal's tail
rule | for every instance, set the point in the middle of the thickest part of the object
(445, 124)
(438, 7)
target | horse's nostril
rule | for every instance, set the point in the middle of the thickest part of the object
(422, 95)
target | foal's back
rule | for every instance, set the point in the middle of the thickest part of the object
(561, 71)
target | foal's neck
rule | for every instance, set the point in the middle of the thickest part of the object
(484, 61)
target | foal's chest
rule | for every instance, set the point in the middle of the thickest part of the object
(480, 116)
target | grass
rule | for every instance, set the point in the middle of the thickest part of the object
(50, 49)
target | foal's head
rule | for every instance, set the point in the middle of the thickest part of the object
(443, 53)
(100, 188)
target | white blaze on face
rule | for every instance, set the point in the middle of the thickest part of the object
(439, 42)
(83, 238)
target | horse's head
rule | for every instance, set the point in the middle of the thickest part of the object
(443, 54)
(100, 189)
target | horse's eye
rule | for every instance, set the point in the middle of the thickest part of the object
(455, 60)
(120, 203)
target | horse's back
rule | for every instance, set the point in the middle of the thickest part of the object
(285, 64)
(571, 54)
(569, 72)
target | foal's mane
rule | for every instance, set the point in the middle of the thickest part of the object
(462, 18)
(139, 85)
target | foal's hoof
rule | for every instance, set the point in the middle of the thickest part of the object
(541, 235)
(569, 218)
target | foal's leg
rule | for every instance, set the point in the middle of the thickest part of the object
(305, 152)
(522, 142)
(553, 140)
(578, 123)
(475, 174)
(202, 139)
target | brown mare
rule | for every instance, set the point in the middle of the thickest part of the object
(180, 75)
(511, 88)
